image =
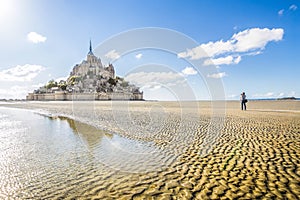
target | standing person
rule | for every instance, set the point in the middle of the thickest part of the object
(243, 101)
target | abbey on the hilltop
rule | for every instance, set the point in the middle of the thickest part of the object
(89, 80)
(93, 66)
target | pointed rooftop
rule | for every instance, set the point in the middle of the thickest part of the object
(91, 50)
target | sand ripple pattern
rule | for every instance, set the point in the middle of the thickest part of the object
(257, 156)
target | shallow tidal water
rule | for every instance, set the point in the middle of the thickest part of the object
(56, 157)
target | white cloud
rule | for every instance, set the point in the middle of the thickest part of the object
(281, 94)
(232, 96)
(151, 87)
(217, 75)
(15, 92)
(237, 60)
(189, 71)
(223, 60)
(38, 85)
(269, 94)
(35, 37)
(61, 78)
(113, 54)
(292, 93)
(274, 95)
(162, 85)
(216, 48)
(21, 73)
(243, 42)
(147, 78)
(293, 7)
(138, 56)
(156, 80)
(254, 53)
(209, 49)
(253, 39)
(265, 95)
(280, 12)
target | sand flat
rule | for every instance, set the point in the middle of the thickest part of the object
(255, 154)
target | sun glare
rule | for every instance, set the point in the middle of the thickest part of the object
(6, 8)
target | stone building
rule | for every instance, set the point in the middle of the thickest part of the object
(93, 66)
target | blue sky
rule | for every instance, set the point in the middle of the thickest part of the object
(252, 45)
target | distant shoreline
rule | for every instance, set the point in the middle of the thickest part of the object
(203, 100)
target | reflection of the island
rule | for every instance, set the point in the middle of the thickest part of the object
(111, 150)
(91, 135)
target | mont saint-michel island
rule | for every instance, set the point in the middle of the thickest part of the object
(89, 80)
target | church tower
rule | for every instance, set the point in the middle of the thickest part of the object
(93, 63)
(91, 58)
(91, 51)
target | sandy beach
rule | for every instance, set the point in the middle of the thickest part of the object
(209, 151)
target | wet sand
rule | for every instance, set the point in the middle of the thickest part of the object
(253, 154)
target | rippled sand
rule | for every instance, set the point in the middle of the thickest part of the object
(208, 153)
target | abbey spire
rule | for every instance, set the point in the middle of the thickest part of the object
(91, 50)
(91, 58)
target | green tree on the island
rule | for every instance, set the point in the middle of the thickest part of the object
(62, 85)
(51, 84)
(73, 79)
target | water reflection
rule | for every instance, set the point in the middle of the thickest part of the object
(90, 135)
(115, 151)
